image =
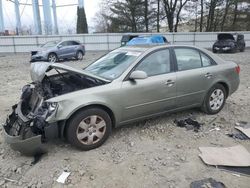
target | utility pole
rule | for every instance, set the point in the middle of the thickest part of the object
(55, 17)
(47, 17)
(18, 19)
(37, 18)
(1, 18)
(81, 3)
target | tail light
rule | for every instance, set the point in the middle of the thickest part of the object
(237, 69)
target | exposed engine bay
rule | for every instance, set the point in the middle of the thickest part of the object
(63, 83)
(28, 118)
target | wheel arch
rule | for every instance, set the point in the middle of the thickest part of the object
(52, 53)
(225, 85)
(101, 106)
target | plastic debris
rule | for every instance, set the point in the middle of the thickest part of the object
(188, 123)
(63, 177)
(207, 183)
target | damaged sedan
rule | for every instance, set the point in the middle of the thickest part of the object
(126, 85)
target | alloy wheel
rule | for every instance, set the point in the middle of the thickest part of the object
(52, 58)
(79, 55)
(91, 130)
(216, 99)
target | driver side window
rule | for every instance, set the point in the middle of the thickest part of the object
(156, 63)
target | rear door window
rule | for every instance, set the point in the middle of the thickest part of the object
(206, 61)
(187, 58)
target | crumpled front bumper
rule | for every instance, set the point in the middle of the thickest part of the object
(30, 146)
(38, 57)
(15, 127)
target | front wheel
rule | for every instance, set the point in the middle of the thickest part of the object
(214, 100)
(89, 128)
(52, 57)
(79, 55)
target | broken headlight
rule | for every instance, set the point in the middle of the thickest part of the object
(52, 106)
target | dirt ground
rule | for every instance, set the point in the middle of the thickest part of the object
(152, 153)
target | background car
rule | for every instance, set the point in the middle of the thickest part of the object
(227, 42)
(147, 40)
(126, 38)
(55, 50)
(128, 84)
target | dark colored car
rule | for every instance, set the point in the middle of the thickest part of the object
(126, 38)
(227, 42)
(55, 50)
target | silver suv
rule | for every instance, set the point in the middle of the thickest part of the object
(56, 50)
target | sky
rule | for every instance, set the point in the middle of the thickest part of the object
(66, 16)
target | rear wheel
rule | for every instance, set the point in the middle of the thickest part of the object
(79, 55)
(242, 49)
(89, 128)
(214, 100)
(52, 58)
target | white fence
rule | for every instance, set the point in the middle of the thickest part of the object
(106, 42)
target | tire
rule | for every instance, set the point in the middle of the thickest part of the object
(214, 51)
(215, 99)
(52, 58)
(242, 49)
(84, 134)
(79, 55)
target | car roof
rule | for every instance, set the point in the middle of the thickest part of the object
(154, 46)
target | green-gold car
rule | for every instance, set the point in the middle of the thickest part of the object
(126, 85)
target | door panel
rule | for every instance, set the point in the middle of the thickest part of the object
(194, 76)
(148, 96)
(154, 94)
(190, 86)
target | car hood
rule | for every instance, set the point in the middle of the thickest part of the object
(225, 36)
(39, 69)
(40, 49)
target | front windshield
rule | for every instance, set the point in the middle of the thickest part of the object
(112, 65)
(50, 44)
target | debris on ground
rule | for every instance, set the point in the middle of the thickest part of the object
(243, 127)
(243, 131)
(238, 135)
(37, 158)
(227, 156)
(237, 170)
(207, 183)
(188, 123)
(235, 159)
(63, 177)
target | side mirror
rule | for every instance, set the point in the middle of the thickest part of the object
(59, 46)
(138, 75)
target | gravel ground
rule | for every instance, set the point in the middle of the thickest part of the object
(152, 153)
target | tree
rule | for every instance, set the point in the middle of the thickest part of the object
(202, 13)
(227, 6)
(82, 25)
(173, 9)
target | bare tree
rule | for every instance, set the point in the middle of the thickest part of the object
(173, 9)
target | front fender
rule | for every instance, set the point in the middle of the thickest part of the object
(67, 108)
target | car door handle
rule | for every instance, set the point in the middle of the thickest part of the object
(169, 83)
(208, 75)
